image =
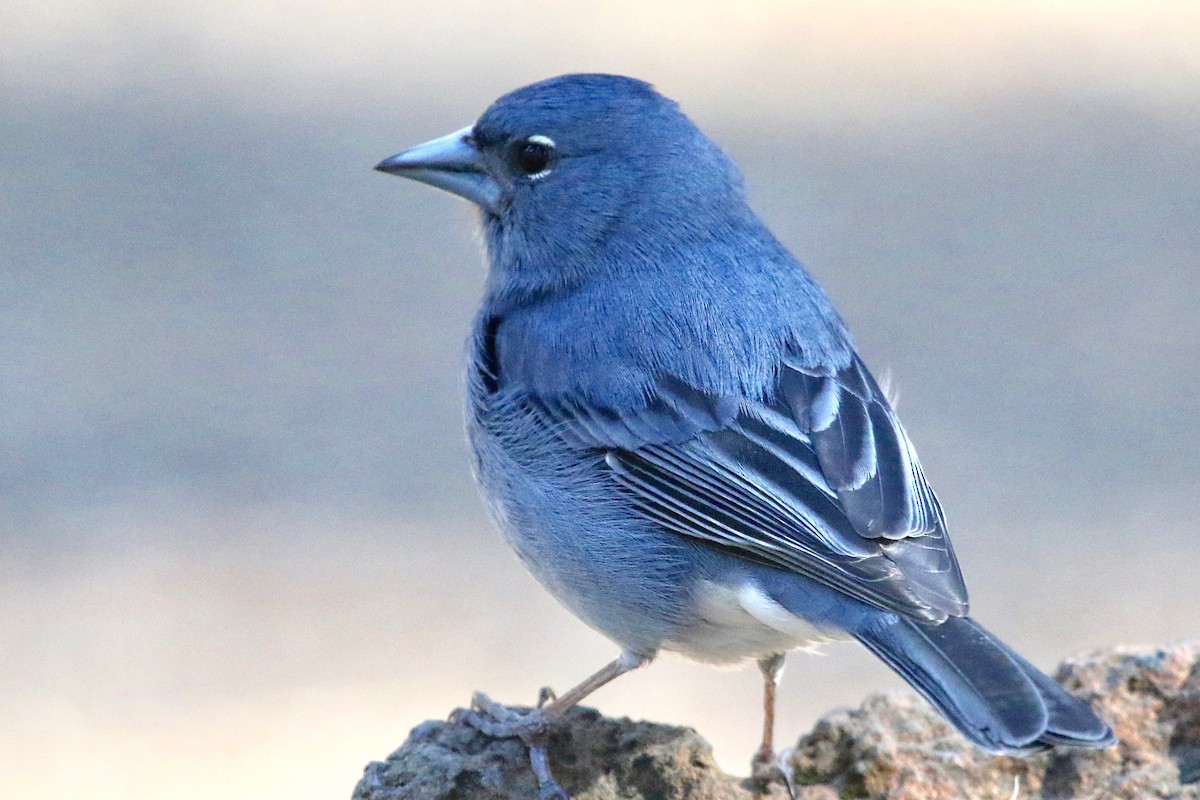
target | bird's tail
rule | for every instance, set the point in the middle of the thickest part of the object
(997, 699)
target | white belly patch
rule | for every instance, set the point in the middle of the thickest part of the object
(737, 623)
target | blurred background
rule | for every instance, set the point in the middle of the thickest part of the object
(240, 551)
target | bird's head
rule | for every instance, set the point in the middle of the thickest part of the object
(581, 173)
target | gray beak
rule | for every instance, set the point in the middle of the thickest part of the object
(452, 163)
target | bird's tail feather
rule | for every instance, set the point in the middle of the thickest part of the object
(997, 699)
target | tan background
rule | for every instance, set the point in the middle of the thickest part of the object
(239, 550)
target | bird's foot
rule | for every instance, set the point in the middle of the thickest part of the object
(768, 767)
(531, 727)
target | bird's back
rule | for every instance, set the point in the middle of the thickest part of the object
(719, 314)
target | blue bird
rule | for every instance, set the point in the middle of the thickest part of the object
(672, 428)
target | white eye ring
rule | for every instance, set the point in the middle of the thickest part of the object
(544, 142)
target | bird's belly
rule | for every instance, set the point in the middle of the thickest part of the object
(564, 519)
(737, 622)
(645, 587)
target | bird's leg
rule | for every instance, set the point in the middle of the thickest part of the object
(765, 767)
(770, 666)
(532, 727)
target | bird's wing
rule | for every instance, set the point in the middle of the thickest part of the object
(820, 479)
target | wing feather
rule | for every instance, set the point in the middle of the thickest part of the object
(820, 479)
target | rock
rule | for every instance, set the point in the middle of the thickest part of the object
(593, 757)
(893, 746)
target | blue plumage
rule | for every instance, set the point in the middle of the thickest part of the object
(672, 427)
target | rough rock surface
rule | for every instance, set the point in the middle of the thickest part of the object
(893, 746)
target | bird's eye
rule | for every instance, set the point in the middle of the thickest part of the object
(533, 154)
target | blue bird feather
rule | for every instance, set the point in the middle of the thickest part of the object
(672, 427)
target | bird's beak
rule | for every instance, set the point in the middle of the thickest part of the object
(452, 163)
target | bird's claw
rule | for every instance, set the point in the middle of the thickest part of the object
(531, 727)
(768, 767)
(503, 722)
